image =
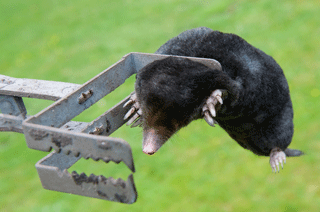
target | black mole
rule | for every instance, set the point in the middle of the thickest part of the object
(249, 98)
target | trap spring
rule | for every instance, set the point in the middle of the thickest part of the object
(52, 128)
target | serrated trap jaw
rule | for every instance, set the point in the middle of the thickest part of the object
(70, 142)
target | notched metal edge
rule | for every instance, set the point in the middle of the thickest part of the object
(53, 178)
(86, 145)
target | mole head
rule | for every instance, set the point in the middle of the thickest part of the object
(158, 127)
(170, 95)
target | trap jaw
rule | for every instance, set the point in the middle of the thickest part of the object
(52, 128)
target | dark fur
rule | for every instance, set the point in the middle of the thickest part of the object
(257, 111)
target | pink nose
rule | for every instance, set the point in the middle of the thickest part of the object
(149, 149)
(151, 142)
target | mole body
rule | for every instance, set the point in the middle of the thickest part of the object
(249, 98)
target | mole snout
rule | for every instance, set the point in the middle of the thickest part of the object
(151, 141)
(147, 150)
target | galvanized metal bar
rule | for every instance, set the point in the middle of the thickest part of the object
(14, 124)
(54, 175)
(45, 138)
(75, 126)
(13, 113)
(108, 122)
(12, 105)
(142, 59)
(73, 104)
(11, 123)
(39, 89)
(59, 160)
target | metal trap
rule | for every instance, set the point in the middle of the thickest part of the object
(52, 128)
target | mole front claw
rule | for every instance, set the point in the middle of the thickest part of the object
(209, 109)
(133, 118)
(132, 100)
(135, 111)
(277, 157)
(208, 118)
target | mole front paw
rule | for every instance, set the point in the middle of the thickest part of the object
(209, 108)
(277, 157)
(135, 111)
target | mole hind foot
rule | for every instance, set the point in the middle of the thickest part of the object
(209, 110)
(135, 111)
(277, 157)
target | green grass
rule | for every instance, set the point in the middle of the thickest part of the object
(200, 168)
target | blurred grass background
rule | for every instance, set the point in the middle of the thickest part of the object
(199, 169)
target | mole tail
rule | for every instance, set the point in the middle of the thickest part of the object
(293, 152)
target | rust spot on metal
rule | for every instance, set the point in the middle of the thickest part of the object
(97, 131)
(61, 141)
(85, 96)
(38, 134)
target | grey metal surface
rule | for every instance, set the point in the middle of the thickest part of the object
(68, 107)
(52, 169)
(108, 122)
(143, 59)
(13, 113)
(12, 105)
(39, 89)
(54, 175)
(45, 138)
(11, 123)
(52, 128)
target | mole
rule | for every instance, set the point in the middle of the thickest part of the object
(249, 98)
